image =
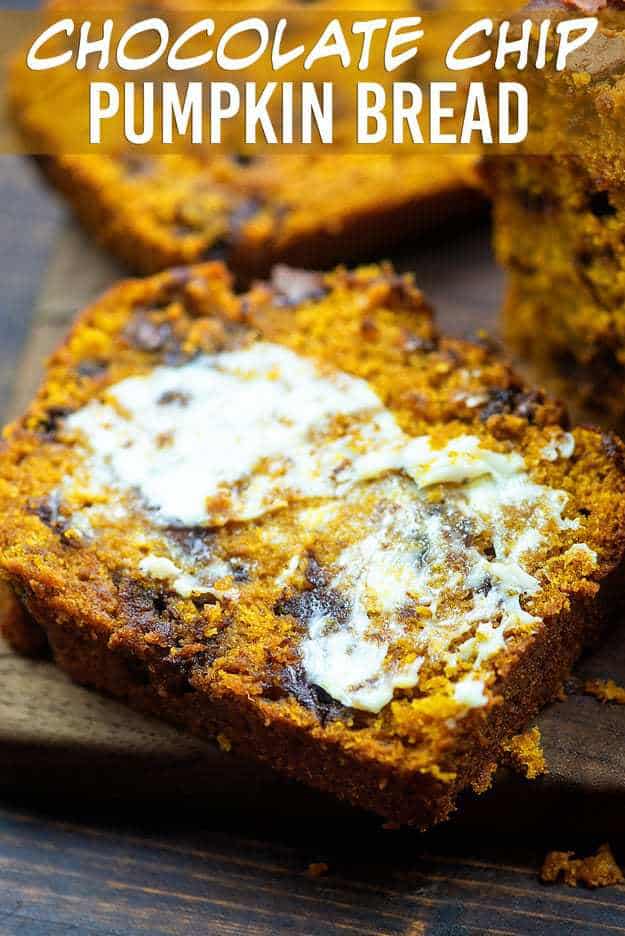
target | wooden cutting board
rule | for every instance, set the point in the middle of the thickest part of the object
(86, 745)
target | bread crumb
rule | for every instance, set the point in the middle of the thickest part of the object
(224, 743)
(317, 869)
(525, 754)
(485, 779)
(606, 690)
(600, 870)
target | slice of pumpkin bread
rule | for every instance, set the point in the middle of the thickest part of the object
(559, 218)
(300, 518)
(155, 207)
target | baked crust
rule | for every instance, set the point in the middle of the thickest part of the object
(112, 628)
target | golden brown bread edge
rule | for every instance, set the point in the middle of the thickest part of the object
(533, 679)
(361, 235)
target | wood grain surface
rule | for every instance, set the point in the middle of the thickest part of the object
(114, 823)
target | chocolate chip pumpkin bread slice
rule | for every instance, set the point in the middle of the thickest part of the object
(158, 207)
(301, 519)
(559, 218)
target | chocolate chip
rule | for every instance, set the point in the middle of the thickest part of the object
(485, 586)
(316, 576)
(175, 356)
(146, 335)
(460, 527)
(183, 229)
(91, 367)
(412, 342)
(147, 612)
(601, 206)
(216, 250)
(136, 166)
(240, 570)
(144, 609)
(178, 278)
(242, 159)
(197, 542)
(292, 287)
(51, 422)
(538, 202)
(368, 329)
(314, 698)
(486, 341)
(172, 290)
(511, 401)
(318, 599)
(201, 601)
(174, 396)
(308, 604)
(48, 511)
(614, 449)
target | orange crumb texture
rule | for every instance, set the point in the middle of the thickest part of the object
(600, 870)
(317, 869)
(526, 753)
(230, 666)
(606, 690)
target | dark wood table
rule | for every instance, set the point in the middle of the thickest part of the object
(111, 825)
